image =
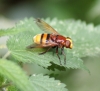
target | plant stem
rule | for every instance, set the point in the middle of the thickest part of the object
(6, 55)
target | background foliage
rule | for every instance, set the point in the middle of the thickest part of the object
(80, 20)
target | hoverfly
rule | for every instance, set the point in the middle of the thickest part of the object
(50, 39)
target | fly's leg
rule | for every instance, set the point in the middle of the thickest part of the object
(45, 51)
(54, 50)
(62, 49)
(62, 52)
(58, 55)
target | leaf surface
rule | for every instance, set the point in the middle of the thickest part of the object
(15, 74)
(44, 83)
(83, 37)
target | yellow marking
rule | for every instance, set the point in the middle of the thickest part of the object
(71, 44)
(44, 39)
(37, 38)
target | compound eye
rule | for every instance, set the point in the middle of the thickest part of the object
(67, 44)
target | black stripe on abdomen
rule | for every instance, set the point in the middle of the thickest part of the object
(41, 38)
(48, 36)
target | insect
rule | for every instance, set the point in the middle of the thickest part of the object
(50, 39)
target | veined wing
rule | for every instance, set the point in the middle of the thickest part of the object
(51, 44)
(45, 27)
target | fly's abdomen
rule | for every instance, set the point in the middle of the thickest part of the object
(37, 38)
(41, 38)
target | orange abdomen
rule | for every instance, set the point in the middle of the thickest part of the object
(40, 38)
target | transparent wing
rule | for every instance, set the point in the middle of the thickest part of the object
(45, 27)
(51, 44)
(34, 46)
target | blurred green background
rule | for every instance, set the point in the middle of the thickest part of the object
(85, 10)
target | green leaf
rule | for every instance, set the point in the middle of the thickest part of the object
(44, 83)
(12, 88)
(15, 74)
(83, 36)
(21, 27)
(8, 32)
(2, 79)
